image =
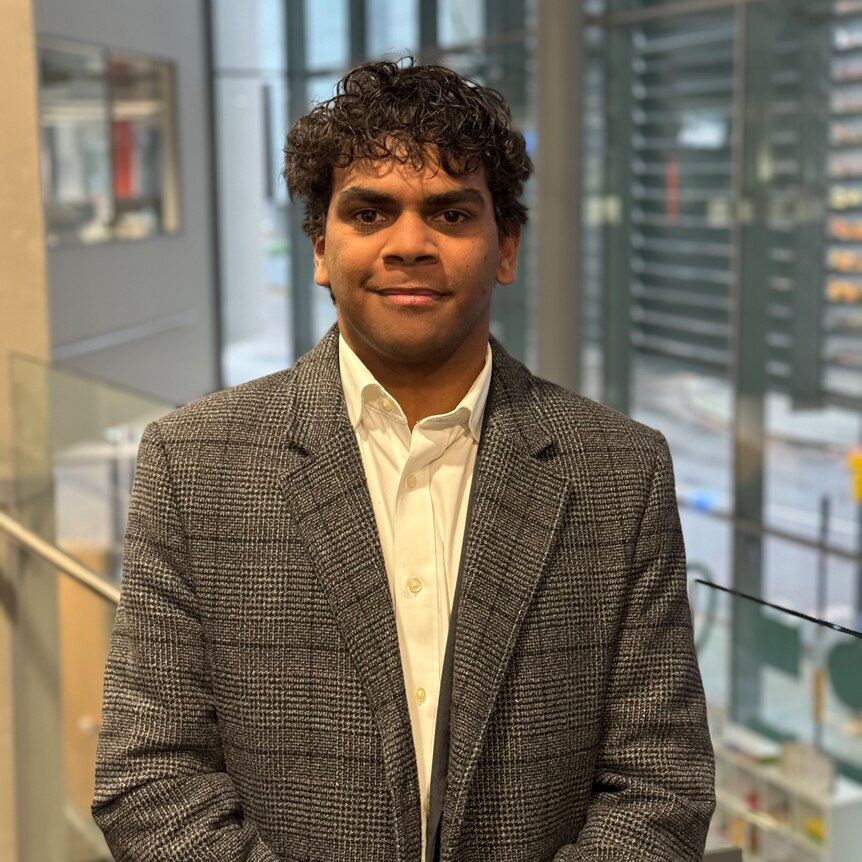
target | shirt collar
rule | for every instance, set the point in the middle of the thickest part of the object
(363, 392)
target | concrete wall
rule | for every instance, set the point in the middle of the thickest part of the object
(144, 313)
(23, 313)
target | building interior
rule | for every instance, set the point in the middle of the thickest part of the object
(693, 259)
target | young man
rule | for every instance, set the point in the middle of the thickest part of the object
(404, 598)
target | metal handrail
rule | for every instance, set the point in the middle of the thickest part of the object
(57, 558)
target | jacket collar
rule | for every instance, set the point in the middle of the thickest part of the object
(315, 408)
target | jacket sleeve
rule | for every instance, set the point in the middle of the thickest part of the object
(162, 792)
(653, 791)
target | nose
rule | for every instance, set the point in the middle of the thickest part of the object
(410, 240)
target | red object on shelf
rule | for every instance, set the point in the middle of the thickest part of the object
(123, 145)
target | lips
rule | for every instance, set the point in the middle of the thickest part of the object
(410, 295)
(419, 289)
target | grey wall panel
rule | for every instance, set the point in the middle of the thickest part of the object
(123, 286)
(164, 364)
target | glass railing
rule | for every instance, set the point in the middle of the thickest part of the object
(75, 441)
(784, 692)
(58, 770)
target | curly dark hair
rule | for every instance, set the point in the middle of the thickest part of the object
(397, 110)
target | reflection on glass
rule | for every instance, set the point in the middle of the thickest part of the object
(681, 167)
(108, 144)
(680, 251)
(816, 325)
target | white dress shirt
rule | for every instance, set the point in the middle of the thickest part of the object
(419, 484)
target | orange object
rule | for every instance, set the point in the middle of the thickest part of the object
(819, 693)
(854, 462)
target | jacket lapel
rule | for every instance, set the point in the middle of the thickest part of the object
(324, 486)
(517, 505)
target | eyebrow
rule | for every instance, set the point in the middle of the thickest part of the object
(456, 197)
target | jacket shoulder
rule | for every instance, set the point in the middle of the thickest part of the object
(576, 423)
(234, 407)
(571, 414)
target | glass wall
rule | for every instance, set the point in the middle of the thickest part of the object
(250, 91)
(668, 275)
(781, 797)
(726, 267)
(721, 243)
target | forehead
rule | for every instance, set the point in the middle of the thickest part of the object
(404, 178)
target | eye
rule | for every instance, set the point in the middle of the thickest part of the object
(453, 216)
(366, 217)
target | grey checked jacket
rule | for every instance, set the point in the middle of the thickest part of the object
(254, 699)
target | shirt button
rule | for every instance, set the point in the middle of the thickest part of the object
(420, 694)
(412, 481)
(414, 585)
(387, 405)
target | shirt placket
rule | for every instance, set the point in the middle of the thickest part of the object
(417, 600)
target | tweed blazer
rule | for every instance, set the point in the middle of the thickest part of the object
(254, 698)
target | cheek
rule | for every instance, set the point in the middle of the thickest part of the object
(347, 265)
(335, 267)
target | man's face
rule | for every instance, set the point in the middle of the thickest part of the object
(412, 258)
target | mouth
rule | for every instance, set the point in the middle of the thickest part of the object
(410, 295)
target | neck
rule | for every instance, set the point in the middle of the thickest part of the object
(423, 394)
(427, 388)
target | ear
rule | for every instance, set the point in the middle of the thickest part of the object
(321, 274)
(507, 267)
